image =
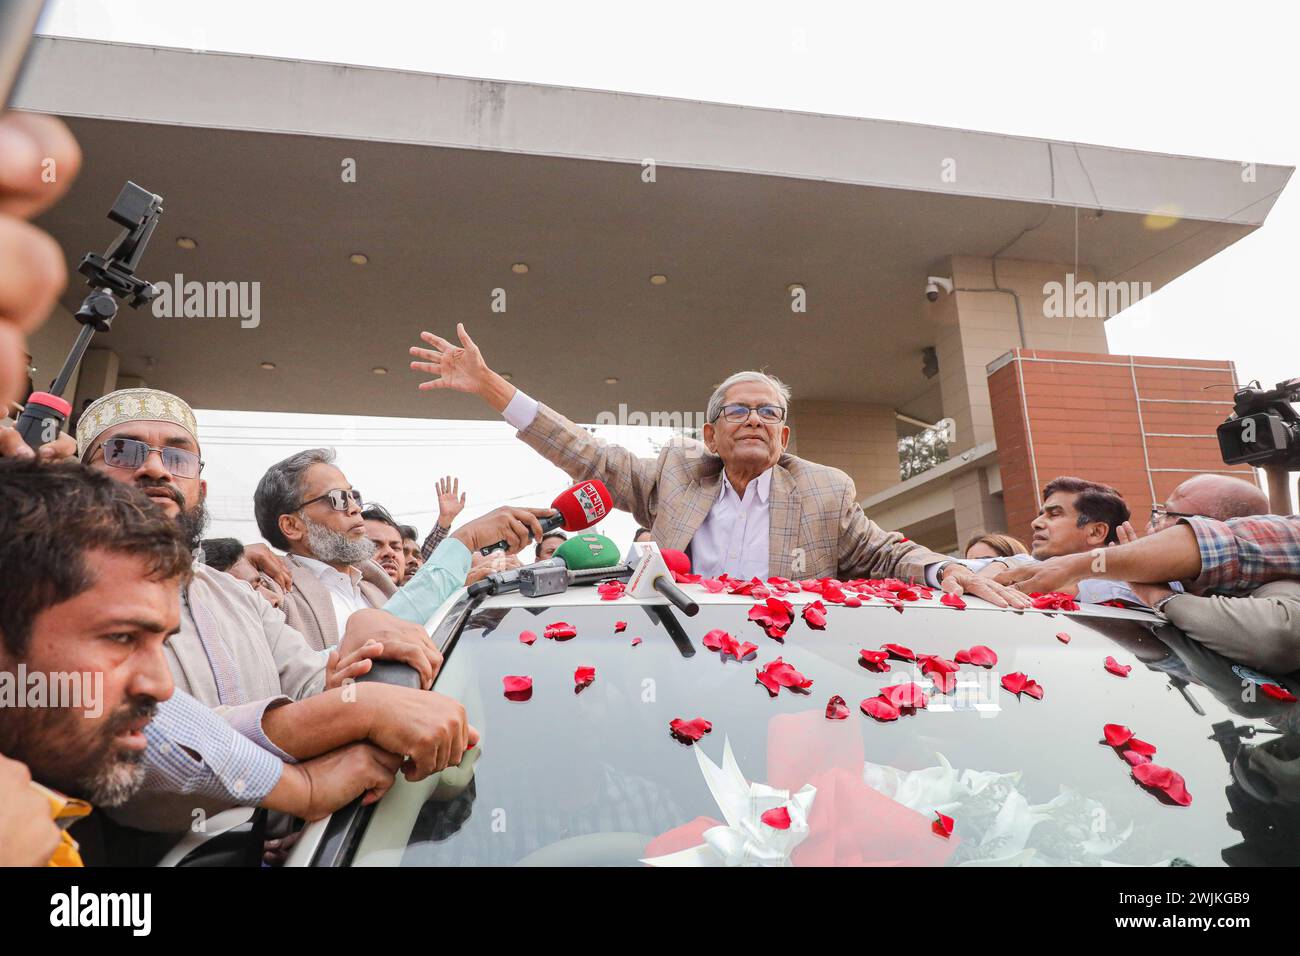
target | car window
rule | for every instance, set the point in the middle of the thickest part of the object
(595, 777)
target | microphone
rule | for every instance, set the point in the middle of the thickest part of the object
(587, 558)
(651, 575)
(582, 557)
(577, 509)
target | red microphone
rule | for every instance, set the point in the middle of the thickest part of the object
(577, 509)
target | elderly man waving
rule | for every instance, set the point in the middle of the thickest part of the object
(738, 504)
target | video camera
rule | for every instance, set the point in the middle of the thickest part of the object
(1263, 429)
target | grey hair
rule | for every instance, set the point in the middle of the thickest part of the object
(720, 393)
(280, 492)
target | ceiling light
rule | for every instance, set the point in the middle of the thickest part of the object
(358, 258)
(794, 286)
(507, 376)
(185, 242)
(611, 381)
(519, 268)
(658, 279)
(379, 370)
(267, 365)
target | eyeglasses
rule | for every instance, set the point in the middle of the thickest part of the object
(338, 499)
(130, 453)
(736, 413)
(1159, 513)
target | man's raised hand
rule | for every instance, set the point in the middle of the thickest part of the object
(460, 368)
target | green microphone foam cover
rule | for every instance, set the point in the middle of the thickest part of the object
(585, 551)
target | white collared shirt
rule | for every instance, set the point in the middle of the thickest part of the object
(734, 535)
(344, 589)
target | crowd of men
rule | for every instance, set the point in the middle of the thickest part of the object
(225, 672)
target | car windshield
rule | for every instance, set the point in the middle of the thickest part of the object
(594, 776)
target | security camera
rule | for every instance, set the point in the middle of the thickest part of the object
(933, 284)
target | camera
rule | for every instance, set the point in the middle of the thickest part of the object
(933, 284)
(1263, 428)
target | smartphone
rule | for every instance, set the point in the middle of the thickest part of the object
(18, 20)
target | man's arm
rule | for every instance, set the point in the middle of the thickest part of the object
(430, 729)
(440, 576)
(1261, 631)
(631, 480)
(1237, 555)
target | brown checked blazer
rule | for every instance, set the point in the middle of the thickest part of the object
(818, 529)
(310, 611)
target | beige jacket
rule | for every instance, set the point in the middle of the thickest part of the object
(310, 612)
(1261, 630)
(818, 529)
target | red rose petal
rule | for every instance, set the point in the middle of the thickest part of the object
(636, 641)
(1015, 682)
(620, 627)
(777, 818)
(979, 655)
(942, 824)
(1055, 601)
(583, 677)
(689, 731)
(953, 600)
(1063, 637)
(517, 687)
(714, 639)
(783, 675)
(875, 660)
(713, 585)
(1116, 668)
(904, 695)
(1116, 734)
(879, 708)
(1135, 758)
(1277, 692)
(560, 631)
(1141, 747)
(1033, 689)
(744, 650)
(899, 651)
(1167, 781)
(814, 615)
(945, 681)
(611, 590)
(527, 637)
(768, 681)
(853, 601)
(836, 708)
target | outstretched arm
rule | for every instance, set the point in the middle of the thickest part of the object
(632, 481)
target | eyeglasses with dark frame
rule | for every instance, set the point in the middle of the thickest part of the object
(130, 453)
(337, 497)
(736, 413)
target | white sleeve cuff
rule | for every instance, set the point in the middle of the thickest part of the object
(521, 411)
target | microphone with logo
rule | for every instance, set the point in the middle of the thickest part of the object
(583, 559)
(577, 509)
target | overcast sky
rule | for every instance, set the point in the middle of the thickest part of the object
(1204, 79)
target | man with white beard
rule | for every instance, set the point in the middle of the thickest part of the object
(305, 505)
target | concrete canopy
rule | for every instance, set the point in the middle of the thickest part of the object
(458, 179)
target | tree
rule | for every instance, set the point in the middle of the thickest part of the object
(921, 452)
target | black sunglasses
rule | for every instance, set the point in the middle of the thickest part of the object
(338, 499)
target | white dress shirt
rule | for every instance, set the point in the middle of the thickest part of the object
(344, 589)
(734, 535)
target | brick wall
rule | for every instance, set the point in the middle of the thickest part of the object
(1108, 418)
